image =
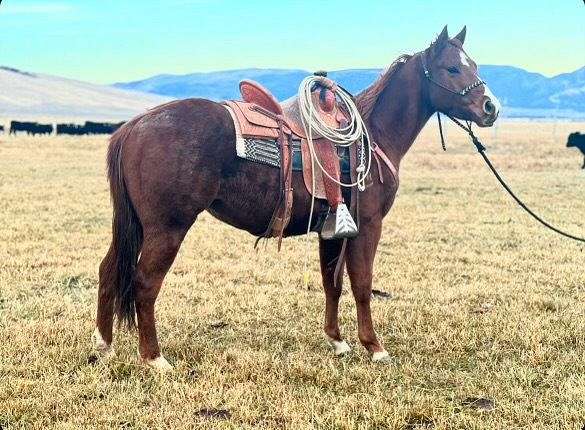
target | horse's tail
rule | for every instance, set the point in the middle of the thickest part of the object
(126, 234)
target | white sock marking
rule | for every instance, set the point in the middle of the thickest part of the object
(160, 364)
(100, 345)
(380, 356)
(340, 347)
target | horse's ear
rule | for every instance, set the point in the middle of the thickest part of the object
(443, 37)
(461, 36)
(439, 44)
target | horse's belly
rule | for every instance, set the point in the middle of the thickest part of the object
(249, 194)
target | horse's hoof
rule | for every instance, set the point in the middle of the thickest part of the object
(159, 364)
(340, 347)
(381, 357)
(104, 350)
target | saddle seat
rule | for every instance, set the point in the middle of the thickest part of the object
(324, 100)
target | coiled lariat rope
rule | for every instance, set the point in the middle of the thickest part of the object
(355, 131)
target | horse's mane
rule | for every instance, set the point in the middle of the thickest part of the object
(366, 100)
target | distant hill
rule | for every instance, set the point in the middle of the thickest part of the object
(521, 92)
(518, 88)
(27, 95)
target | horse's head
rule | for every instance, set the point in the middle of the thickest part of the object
(455, 87)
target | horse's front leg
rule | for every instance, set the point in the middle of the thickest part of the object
(329, 251)
(360, 261)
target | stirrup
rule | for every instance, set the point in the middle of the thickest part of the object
(339, 224)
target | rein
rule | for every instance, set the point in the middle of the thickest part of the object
(481, 149)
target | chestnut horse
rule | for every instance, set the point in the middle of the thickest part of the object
(170, 164)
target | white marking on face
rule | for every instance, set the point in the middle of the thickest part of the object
(464, 58)
(494, 99)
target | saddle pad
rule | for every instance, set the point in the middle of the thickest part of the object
(266, 152)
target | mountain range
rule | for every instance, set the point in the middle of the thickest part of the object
(522, 93)
(33, 96)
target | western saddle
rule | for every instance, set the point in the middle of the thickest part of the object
(260, 116)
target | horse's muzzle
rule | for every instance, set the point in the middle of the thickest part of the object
(490, 110)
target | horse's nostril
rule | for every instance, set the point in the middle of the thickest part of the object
(488, 107)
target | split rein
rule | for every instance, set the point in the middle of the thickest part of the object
(481, 149)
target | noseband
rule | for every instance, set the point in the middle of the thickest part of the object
(461, 93)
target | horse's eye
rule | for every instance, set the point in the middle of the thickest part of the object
(453, 70)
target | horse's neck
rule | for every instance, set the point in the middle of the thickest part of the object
(401, 111)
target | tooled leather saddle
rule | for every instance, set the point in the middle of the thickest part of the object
(259, 117)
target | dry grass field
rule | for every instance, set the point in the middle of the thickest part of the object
(485, 304)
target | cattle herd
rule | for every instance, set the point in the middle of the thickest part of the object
(35, 128)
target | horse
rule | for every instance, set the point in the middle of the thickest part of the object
(170, 164)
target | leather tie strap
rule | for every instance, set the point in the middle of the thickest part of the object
(393, 170)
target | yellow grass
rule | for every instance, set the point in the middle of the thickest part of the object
(485, 303)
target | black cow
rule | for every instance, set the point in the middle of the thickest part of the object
(89, 127)
(33, 128)
(577, 140)
(43, 129)
(70, 129)
(101, 127)
(1, 129)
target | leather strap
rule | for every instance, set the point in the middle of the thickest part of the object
(353, 209)
(282, 212)
(393, 170)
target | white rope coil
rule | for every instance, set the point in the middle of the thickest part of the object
(346, 136)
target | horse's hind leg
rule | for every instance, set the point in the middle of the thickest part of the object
(102, 336)
(158, 253)
(329, 251)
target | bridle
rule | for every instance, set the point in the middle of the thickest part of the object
(461, 93)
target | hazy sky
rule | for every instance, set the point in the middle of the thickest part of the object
(118, 40)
